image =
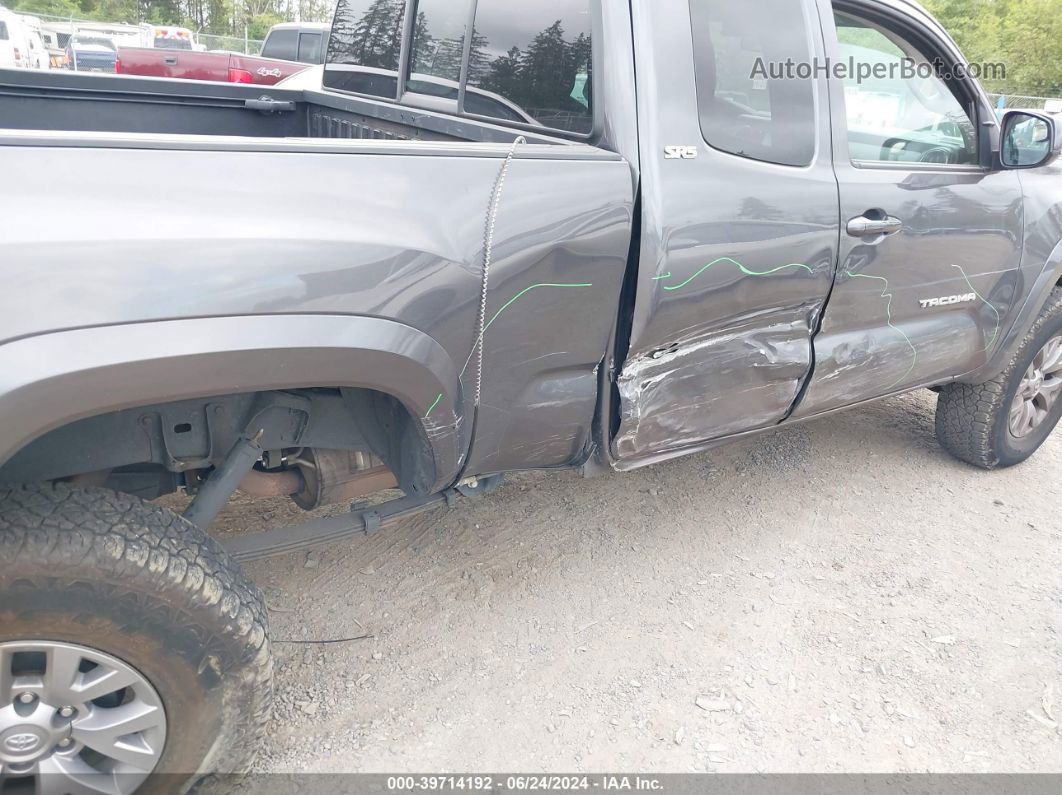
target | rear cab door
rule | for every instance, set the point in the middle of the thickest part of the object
(931, 241)
(739, 222)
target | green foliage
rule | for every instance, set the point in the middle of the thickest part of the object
(258, 25)
(223, 18)
(1033, 39)
(59, 8)
(1024, 35)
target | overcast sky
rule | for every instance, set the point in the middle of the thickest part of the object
(507, 24)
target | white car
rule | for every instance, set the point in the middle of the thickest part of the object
(13, 44)
(38, 56)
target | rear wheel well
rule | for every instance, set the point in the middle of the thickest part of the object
(150, 450)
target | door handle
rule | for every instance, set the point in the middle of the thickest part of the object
(170, 60)
(865, 226)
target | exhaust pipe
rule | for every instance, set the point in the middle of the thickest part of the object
(322, 477)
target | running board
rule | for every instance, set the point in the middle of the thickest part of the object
(360, 520)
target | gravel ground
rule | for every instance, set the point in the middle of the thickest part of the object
(838, 596)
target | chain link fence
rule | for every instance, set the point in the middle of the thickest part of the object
(1005, 101)
(230, 43)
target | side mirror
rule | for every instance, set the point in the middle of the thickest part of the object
(1029, 139)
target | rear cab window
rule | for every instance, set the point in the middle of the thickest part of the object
(534, 59)
(742, 110)
(282, 44)
(365, 46)
(4, 36)
(309, 48)
(438, 48)
(525, 64)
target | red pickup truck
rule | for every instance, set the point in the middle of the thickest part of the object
(230, 67)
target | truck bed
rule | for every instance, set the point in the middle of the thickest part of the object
(72, 102)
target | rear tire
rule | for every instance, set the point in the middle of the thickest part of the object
(97, 571)
(976, 422)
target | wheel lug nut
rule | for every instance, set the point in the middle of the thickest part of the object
(66, 742)
(67, 712)
(27, 698)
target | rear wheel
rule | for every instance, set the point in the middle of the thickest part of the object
(1004, 421)
(133, 654)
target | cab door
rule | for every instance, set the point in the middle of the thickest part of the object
(930, 240)
(739, 229)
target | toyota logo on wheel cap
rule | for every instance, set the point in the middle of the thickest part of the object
(22, 742)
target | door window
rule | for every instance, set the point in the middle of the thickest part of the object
(896, 107)
(742, 110)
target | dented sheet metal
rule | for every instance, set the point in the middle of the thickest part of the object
(713, 384)
(736, 260)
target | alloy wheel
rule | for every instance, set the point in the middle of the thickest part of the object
(73, 719)
(1038, 391)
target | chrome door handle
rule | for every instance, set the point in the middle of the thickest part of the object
(863, 226)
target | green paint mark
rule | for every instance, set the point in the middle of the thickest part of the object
(509, 303)
(524, 292)
(740, 267)
(434, 406)
(888, 311)
(662, 276)
(987, 303)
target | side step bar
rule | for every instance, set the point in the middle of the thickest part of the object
(360, 520)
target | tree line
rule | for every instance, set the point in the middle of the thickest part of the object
(1023, 35)
(216, 17)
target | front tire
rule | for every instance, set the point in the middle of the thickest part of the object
(100, 589)
(1004, 421)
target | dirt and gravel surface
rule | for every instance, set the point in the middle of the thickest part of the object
(839, 596)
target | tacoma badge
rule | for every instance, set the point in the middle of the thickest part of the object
(948, 300)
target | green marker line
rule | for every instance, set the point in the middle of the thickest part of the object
(888, 311)
(525, 291)
(740, 267)
(662, 276)
(434, 406)
(508, 304)
(999, 320)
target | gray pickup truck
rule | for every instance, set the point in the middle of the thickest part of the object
(494, 236)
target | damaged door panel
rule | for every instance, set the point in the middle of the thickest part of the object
(931, 245)
(739, 243)
(754, 367)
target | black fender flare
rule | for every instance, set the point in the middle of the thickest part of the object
(1038, 295)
